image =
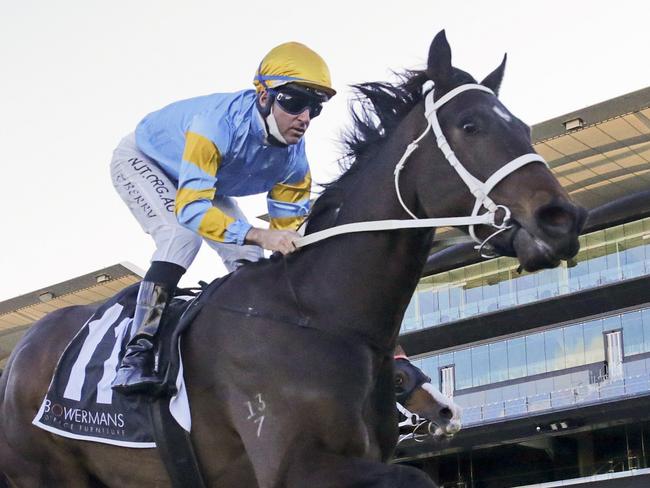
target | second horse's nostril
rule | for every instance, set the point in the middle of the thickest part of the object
(446, 413)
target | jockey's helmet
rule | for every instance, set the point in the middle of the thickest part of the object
(293, 62)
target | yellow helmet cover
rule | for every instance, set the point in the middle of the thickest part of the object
(293, 62)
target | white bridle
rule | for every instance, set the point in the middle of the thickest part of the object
(479, 189)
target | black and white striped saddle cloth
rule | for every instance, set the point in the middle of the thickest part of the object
(80, 403)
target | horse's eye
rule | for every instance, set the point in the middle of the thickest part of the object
(470, 128)
(399, 381)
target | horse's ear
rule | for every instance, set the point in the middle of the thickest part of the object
(399, 351)
(494, 79)
(439, 67)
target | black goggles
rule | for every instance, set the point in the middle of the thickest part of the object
(295, 100)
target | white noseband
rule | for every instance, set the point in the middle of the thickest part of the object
(479, 189)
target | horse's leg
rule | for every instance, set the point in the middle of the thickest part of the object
(223, 460)
(58, 470)
(325, 470)
(32, 457)
(381, 418)
(15, 469)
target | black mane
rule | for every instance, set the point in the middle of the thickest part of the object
(376, 110)
(380, 106)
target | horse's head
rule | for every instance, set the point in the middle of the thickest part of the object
(418, 396)
(493, 158)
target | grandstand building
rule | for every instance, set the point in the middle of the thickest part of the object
(552, 368)
(19, 314)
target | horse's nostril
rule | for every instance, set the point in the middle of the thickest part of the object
(555, 216)
(446, 413)
(558, 218)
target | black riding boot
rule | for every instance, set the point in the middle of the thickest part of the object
(138, 371)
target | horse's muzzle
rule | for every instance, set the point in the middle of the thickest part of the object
(550, 236)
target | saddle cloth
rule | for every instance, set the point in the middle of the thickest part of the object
(80, 403)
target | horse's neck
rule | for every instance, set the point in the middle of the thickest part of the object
(363, 282)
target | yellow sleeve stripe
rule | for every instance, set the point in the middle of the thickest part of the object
(185, 196)
(286, 223)
(292, 192)
(201, 152)
(214, 224)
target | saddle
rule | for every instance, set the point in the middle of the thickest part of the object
(80, 403)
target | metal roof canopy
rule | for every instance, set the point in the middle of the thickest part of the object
(600, 153)
(18, 314)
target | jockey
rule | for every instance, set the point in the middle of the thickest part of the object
(181, 167)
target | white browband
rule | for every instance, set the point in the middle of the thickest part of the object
(479, 189)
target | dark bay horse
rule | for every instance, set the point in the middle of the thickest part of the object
(289, 367)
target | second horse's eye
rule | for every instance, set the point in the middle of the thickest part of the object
(470, 128)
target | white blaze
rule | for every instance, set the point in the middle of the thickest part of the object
(504, 115)
(454, 423)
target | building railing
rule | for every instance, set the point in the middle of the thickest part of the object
(552, 286)
(583, 394)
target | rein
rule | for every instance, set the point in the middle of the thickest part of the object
(478, 188)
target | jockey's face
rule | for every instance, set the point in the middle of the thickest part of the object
(291, 126)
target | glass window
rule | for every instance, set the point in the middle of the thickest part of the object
(474, 294)
(526, 288)
(430, 367)
(507, 296)
(455, 297)
(410, 318)
(645, 315)
(574, 346)
(490, 298)
(480, 365)
(544, 385)
(463, 369)
(611, 323)
(498, 361)
(548, 283)
(446, 360)
(633, 251)
(516, 358)
(428, 307)
(632, 333)
(443, 299)
(535, 356)
(594, 345)
(554, 344)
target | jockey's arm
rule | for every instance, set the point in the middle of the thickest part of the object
(196, 190)
(288, 204)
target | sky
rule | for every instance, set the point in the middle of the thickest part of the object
(78, 75)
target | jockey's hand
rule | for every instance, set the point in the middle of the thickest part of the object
(273, 239)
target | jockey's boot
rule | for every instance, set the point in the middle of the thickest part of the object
(138, 371)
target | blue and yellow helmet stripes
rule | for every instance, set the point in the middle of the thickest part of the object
(293, 62)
